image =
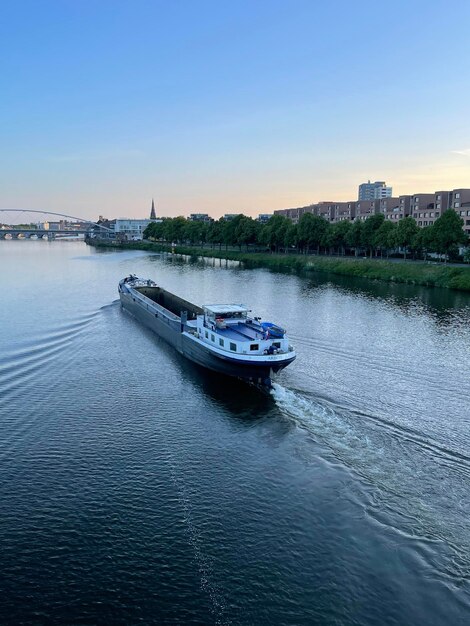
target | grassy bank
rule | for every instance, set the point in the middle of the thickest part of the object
(427, 274)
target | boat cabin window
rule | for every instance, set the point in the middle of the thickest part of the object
(219, 316)
(276, 344)
(207, 335)
(221, 342)
(233, 347)
(212, 337)
(254, 346)
(235, 315)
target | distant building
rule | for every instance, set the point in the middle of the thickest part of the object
(107, 232)
(425, 208)
(344, 211)
(264, 217)
(51, 225)
(395, 208)
(231, 216)
(459, 200)
(428, 207)
(374, 191)
(200, 217)
(125, 228)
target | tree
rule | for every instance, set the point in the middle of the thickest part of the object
(370, 228)
(339, 234)
(448, 233)
(313, 231)
(229, 229)
(215, 233)
(424, 240)
(291, 236)
(385, 237)
(246, 231)
(304, 228)
(191, 231)
(175, 228)
(274, 232)
(405, 233)
(354, 236)
(319, 232)
(154, 231)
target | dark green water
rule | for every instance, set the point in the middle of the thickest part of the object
(136, 488)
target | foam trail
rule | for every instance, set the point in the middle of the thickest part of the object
(318, 418)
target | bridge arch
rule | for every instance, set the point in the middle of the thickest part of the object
(46, 212)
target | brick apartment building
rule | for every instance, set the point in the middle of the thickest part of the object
(425, 208)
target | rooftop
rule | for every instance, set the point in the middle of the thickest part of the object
(225, 308)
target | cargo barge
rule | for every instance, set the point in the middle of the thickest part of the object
(224, 338)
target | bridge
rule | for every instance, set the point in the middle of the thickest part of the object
(25, 232)
(28, 233)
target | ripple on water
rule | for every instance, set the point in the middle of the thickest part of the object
(397, 463)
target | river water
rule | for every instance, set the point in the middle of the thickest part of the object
(135, 487)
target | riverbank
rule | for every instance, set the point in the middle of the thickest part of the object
(412, 273)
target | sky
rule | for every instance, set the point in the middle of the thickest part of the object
(223, 107)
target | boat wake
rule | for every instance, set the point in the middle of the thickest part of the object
(24, 370)
(412, 484)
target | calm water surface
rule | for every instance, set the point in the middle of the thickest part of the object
(135, 487)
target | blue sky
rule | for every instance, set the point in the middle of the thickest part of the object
(228, 106)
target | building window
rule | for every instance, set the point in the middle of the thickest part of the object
(221, 342)
(438, 205)
(456, 205)
(233, 347)
(457, 195)
(438, 197)
(462, 213)
(254, 346)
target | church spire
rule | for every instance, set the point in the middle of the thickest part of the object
(152, 212)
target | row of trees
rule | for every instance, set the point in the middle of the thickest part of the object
(374, 236)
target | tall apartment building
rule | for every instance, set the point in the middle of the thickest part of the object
(374, 191)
